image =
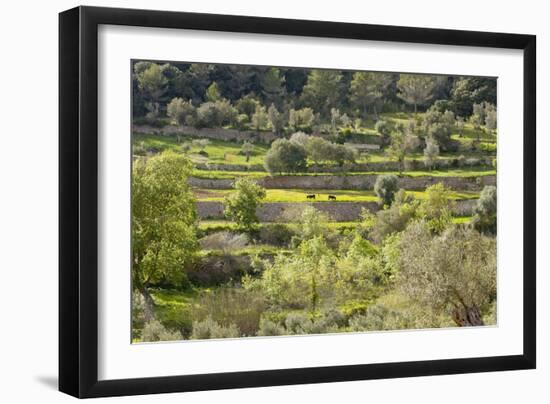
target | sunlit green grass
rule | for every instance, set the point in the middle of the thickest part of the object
(467, 172)
(172, 307)
(321, 195)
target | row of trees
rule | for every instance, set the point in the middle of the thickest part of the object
(290, 155)
(357, 93)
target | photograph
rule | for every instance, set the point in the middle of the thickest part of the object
(277, 201)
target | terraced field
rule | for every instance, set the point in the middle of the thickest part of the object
(319, 195)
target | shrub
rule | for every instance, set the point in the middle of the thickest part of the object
(270, 328)
(299, 323)
(225, 241)
(276, 234)
(154, 331)
(396, 217)
(385, 188)
(232, 307)
(377, 318)
(208, 328)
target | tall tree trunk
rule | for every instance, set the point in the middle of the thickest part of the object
(467, 316)
(148, 305)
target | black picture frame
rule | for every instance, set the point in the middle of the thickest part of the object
(78, 201)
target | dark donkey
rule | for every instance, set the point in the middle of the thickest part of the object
(331, 198)
(310, 196)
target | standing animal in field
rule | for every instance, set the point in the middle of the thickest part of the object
(310, 196)
(331, 198)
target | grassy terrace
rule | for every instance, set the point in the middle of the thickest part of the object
(321, 195)
(222, 152)
(225, 225)
(470, 172)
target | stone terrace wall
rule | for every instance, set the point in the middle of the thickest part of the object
(350, 182)
(230, 135)
(360, 167)
(338, 211)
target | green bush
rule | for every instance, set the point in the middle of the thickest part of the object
(270, 328)
(154, 331)
(209, 329)
(277, 234)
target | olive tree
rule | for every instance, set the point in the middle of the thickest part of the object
(401, 143)
(181, 112)
(285, 156)
(486, 211)
(240, 206)
(385, 187)
(260, 118)
(277, 119)
(454, 272)
(431, 152)
(164, 218)
(247, 149)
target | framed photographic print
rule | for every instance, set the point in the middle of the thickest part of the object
(250, 202)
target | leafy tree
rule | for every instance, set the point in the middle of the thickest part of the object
(153, 84)
(260, 118)
(341, 154)
(272, 84)
(460, 125)
(368, 88)
(417, 89)
(478, 117)
(485, 219)
(201, 143)
(394, 218)
(439, 127)
(240, 206)
(198, 79)
(490, 117)
(215, 114)
(436, 208)
(385, 187)
(384, 128)
(431, 152)
(213, 93)
(337, 119)
(247, 105)
(301, 139)
(164, 218)
(401, 144)
(301, 119)
(277, 119)
(182, 112)
(285, 156)
(322, 90)
(318, 149)
(467, 91)
(247, 149)
(454, 272)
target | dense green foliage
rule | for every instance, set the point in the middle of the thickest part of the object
(241, 205)
(240, 173)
